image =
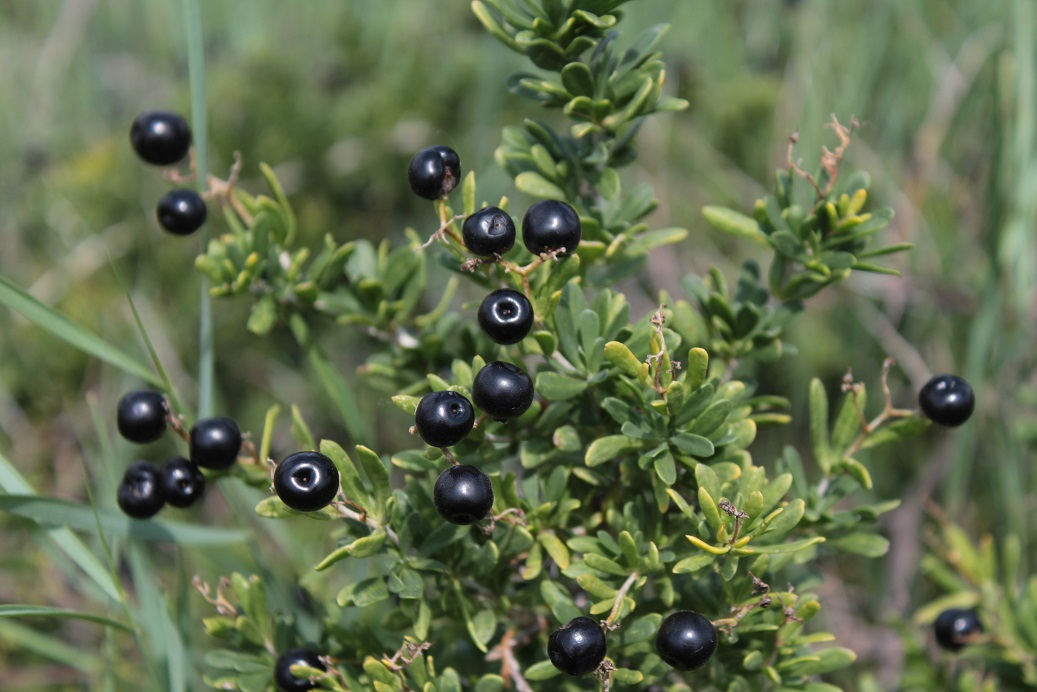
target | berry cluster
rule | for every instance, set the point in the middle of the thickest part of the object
(162, 138)
(141, 417)
(463, 494)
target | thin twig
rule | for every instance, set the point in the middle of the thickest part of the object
(617, 608)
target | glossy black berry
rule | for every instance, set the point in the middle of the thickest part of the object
(182, 483)
(434, 172)
(181, 212)
(306, 481)
(578, 647)
(947, 400)
(444, 418)
(502, 390)
(283, 678)
(160, 137)
(215, 443)
(140, 492)
(955, 628)
(686, 640)
(463, 494)
(141, 416)
(488, 231)
(550, 225)
(506, 316)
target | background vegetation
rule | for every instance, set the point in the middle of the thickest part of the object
(337, 96)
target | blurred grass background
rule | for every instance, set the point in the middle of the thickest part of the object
(337, 96)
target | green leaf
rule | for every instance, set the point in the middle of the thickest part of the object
(693, 563)
(536, 185)
(544, 670)
(608, 448)
(482, 627)
(857, 471)
(363, 593)
(665, 468)
(558, 601)
(695, 445)
(35, 611)
(867, 544)
(730, 221)
(361, 547)
(79, 337)
(352, 485)
(263, 315)
(626, 676)
(821, 661)
(895, 431)
(577, 79)
(789, 547)
(300, 430)
(273, 508)
(709, 509)
(619, 355)
(378, 475)
(468, 194)
(407, 404)
(819, 425)
(51, 511)
(557, 387)
(555, 548)
(604, 564)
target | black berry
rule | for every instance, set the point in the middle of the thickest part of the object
(182, 483)
(181, 212)
(947, 400)
(550, 225)
(686, 640)
(506, 316)
(215, 443)
(578, 647)
(160, 137)
(444, 418)
(283, 678)
(502, 390)
(306, 481)
(488, 231)
(955, 628)
(434, 172)
(463, 494)
(141, 416)
(140, 493)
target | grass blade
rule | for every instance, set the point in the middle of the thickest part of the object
(51, 320)
(12, 482)
(52, 511)
(36, 611)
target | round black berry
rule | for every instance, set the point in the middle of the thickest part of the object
(160, 137)
(181, 212)
(686, 640)
(947, 400)
(502, 390)
(955, 628)
(283, 678)
(434, 172)
(444, 418)
(506, 316)
(550, 225)
(463, 494)
(140, 493)
(182, 483)
(215, 443)
(141, 416)
(488, 231)
(578, 647)
(306, 481)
